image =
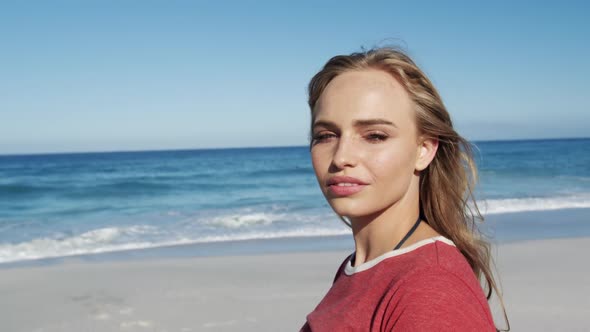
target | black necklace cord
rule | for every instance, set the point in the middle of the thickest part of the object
(410, 232)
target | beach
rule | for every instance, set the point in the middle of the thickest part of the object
(544, 282)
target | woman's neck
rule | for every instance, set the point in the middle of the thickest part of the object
(377, 234)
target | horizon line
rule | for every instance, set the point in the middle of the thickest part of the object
(256, 147)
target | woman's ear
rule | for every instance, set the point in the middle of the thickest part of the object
(426, 152)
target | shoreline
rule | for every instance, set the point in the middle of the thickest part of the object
(503, 228)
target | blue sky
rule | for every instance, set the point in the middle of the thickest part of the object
(140, 75)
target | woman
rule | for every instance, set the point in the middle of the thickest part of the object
(390, 164)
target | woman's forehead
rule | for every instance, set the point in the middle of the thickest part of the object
(364, 95)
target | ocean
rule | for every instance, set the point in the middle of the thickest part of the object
(59, 205)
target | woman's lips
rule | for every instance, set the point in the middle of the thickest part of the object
(345, 189)
(344, 185)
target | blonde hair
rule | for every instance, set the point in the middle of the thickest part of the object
(446, 185)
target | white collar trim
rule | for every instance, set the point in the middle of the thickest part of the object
(350, 270)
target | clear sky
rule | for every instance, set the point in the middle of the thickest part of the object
(139, 75)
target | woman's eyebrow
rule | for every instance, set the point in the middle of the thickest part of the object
(370, 122)
(324, 123)
(357, 123)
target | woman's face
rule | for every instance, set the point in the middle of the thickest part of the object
(364, 128)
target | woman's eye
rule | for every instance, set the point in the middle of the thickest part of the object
(322, 137)
(376, 137)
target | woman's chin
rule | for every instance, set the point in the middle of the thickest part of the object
(349, 211)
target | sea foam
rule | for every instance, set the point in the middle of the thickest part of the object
(105, 240)
(496, 206)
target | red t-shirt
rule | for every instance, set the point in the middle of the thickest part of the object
(427, 286)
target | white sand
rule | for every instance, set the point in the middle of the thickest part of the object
(545, 283)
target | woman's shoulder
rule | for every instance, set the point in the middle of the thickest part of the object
(437, 298)
(435, 253)
(443, 253)
(440, 260)
(440, 288)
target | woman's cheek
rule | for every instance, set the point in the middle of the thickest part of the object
(385, 164)
(393, 170)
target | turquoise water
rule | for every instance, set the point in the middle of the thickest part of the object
(66, 204)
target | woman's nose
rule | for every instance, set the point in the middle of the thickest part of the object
(345, 154)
